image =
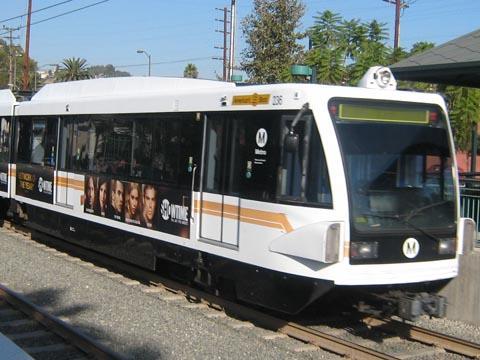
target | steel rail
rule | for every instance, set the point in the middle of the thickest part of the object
(318, 338)
(426, 336)
(59, 327)
(296, 331)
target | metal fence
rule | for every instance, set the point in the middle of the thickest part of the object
(470, 198)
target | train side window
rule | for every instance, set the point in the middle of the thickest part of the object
(81, 156)
(304, 174)
(111, 144)
(50, 140)
(142, 147)
(4, 139)
(39, 131)
(65, 144)
(37, 141)
(174, 146)
(214, 154)
(224, 153)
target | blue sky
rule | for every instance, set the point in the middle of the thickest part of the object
(181, 31)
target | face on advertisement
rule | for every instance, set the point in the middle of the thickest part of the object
(149, 202)
(102, 195)
(90, 192)
(118, 196)
(133, 199)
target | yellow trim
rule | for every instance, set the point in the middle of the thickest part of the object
(254, 99)
(251, 216)
(70, 183)
(346, 250)
(60, 181)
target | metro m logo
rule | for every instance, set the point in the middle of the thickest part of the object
(411, 248)
(262, 138)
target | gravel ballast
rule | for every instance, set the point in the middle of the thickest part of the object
(130, 321)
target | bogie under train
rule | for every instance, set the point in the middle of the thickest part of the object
(276, 194)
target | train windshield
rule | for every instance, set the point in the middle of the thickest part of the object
(398, 163)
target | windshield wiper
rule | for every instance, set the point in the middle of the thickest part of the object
(417, 211)
(406, 220)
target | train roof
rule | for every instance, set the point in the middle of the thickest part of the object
(7, 99)
(123, 86)
(165, 94)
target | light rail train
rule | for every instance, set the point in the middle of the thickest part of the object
(274, 194)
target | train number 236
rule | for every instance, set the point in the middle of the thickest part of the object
(277, 100)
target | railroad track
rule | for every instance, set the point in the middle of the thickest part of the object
(42, 335)
(426, 336)
(326, 340)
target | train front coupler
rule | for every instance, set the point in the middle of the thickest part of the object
(412, 306)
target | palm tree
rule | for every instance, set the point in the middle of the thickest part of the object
(73, 69)
(190, 71)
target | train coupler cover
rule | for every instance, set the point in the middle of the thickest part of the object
(412, 307)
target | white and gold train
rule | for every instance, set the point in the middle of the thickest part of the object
(278, 194)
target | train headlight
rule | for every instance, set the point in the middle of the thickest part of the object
(378, 77)
(364, 250)
(447, 246)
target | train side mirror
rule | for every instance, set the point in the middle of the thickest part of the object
(291, 142)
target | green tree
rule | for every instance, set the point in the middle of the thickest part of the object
(343, 50)
(329, 52)
(3, 64)
(271, 35)
(17, 66)
(464, 104)
(420, 47)
(376, 32)
(354, 34)
(73, 69)
(190, 71)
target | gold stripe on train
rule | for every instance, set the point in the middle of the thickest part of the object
(251, 216)
(61, 181)
(70, 183)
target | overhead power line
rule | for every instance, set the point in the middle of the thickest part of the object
(45, 8)
(70, 12)
(62, 14)
(166, 62)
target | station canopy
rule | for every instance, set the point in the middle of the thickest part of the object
(456, 62)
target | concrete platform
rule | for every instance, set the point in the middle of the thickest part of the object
(9, 350)
(463, 292)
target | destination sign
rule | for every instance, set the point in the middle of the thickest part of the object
(374, 112)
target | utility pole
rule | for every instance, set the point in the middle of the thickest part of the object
(233, 21)
(225, 33)
(11, 55)
(26, 55)
(399, 6)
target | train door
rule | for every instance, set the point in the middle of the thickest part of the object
(65, 180)
(4, 155)
(219, 209)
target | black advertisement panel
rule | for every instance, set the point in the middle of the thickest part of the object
(150, 206)
(174, 212)
(35, 182)
(3, 177)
